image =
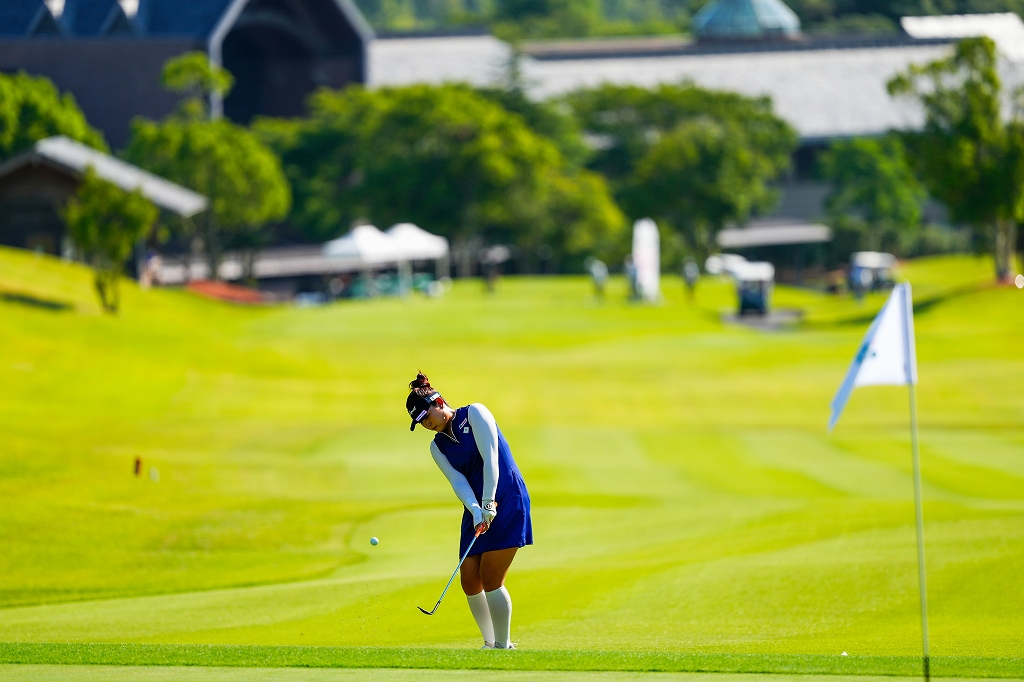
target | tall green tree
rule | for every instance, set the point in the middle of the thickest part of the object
(874, 188)
(698, 177)
(228, 163)
(694, 159)
(626, 121)
(32, 109)
(447, 158)
(106, 222)
(967, 153)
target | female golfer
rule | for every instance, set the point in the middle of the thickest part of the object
(474, 455)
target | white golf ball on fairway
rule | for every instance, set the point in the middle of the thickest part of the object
(374, 541)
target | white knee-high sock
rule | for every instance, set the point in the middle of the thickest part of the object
(482, 615)
(500, 604)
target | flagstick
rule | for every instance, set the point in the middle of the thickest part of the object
(919, 513)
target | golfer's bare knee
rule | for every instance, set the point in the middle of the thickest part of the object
(491, 583)
(469, 576)
(471, 584)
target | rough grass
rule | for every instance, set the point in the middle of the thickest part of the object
(688, 502)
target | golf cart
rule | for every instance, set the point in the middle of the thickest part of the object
(754, 281)
(871, 271)
(754, 284)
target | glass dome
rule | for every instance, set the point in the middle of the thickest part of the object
(740, 19)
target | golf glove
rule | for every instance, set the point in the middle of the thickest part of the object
(478, 514)
(490, 510)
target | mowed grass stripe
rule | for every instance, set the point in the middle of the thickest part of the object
(469, 659)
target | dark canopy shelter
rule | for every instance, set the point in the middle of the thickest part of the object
(109, 53)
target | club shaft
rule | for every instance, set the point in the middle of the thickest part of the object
(450, 580)
(463, 559)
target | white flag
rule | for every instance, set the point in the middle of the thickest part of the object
(887, 354)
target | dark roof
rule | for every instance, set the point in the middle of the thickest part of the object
(179, 18)
(192, 18)
(16, 16)
(86, 17)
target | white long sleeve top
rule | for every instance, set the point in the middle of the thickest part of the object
(485, 434)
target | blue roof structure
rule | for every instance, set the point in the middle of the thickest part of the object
(168, 18)
(17, 16)
(192, 18)
(745, 19)
(86, 17)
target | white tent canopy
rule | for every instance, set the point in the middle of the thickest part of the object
(404, 242)
(415, 243)
(365, 244)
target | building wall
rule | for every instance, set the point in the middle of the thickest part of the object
(113, 79)
(29, 203)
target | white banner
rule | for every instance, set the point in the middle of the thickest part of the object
(647, 259)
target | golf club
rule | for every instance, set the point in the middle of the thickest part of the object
(479, 529)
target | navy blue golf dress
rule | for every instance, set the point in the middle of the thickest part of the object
(512, 526)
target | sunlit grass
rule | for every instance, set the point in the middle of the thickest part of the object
(686, 496)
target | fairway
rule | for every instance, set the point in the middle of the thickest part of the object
(686, 496)
(63, 673)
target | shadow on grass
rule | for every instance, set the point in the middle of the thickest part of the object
(921, 306)
(34, 301)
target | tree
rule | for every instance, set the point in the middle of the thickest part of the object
(874, 187)
(967, 153)
(627, 120)
(692, 158)
(552, 120)
(241, 176)
(32, 109)
(193, 76)
(105, 223)
(445, 157)
(697, 178)
(517, 19)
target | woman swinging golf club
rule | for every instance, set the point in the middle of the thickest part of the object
(475, 457)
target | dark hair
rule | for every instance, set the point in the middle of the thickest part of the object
(421, 385)
(420, 388)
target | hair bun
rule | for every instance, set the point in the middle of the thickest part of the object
(421, 381)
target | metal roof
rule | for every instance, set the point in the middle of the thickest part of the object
(1006, 29)
(478, 60)
(774, 235)
(74, 157)
(823, 93)
(829, 90)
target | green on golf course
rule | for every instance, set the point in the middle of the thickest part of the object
(691, 514)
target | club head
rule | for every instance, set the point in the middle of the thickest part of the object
(423, 610)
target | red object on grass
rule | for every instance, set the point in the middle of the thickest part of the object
(227, 292)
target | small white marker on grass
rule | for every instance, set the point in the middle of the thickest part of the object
(844, 653)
